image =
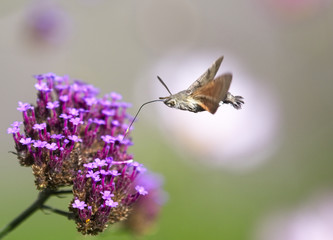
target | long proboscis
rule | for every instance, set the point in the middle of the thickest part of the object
(137, 113)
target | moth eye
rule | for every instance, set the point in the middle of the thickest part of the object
(171, 103)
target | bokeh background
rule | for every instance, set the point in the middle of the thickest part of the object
(260, 173)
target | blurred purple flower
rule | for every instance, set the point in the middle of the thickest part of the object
(141, 190)
(111, 203)
(147, 209)
(46, 23)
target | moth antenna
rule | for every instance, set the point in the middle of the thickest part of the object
(137, 113)
(164, 84)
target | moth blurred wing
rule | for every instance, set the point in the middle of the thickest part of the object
(207, 76)
(210, 95)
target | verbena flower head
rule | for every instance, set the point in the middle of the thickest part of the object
(147, 209)
(71, 137)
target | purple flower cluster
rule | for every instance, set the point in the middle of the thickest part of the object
(103, 193)
(71, 137)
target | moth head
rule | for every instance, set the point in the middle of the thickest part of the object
(170, 102)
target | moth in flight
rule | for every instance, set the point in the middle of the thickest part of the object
(206, 93)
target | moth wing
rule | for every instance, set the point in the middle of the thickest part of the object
(210, 95)
(207, 76)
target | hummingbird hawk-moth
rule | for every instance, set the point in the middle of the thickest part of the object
(205, 94)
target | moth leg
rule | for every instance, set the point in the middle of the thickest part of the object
(235, 101)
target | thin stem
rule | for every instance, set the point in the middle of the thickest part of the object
(58, 192)
(58, 211)
(42, 197)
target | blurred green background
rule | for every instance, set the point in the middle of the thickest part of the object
(286, 46)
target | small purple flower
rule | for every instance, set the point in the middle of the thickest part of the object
(141, 190)
(96, 177)
(93, 175)
(107, 195)
(16, 124)
(91, 89)
(126, 142)
(109, 112)
(75, 87)
(125, 105)
(82, 110)
(61, 88)
(114, 173)
(74, 138)
(59, 79)
(64, 98)
(57, 136)
(13, 130)
(42, 86)
(24, 107)
(115, 96)
(39, 126)
(79, 204)
(139, 167)
(52, 105)
(90, 165)
(65, 116)
(99, 121)
(26, 141)
(115, 123)
(109, 160)
(116, 104)
(108, 139)
(90, 101)
(106, 103)
(39, 77)
(100, 163)
(90, 174)
(111, 203)
(73, 111)
(76, 121)
(51, 146)
(103, 172)
(39, 144)
(49, 75)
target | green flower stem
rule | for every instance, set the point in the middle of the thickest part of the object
(38, 204)
(58, 211)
